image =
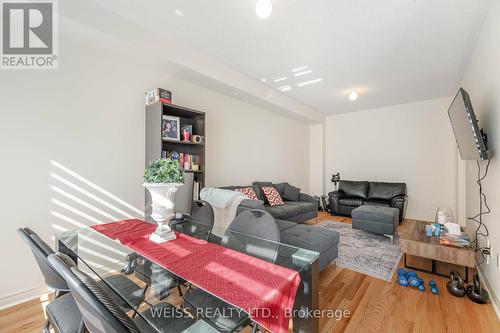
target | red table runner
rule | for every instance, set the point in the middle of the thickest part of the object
(244, 281)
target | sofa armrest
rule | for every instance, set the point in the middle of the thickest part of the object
(334, 198)
(400, 202)
(309, 198)
(249, 204)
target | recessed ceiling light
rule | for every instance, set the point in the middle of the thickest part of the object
(353, 95)
(306, 83)
(280, 79)
(263, 9)
(285, 88)
(263, 79)
(302, 73)
(178, 12)
(298, 69)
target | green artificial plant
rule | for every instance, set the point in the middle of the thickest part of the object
(163, 171)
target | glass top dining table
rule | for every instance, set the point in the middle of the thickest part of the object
(102, 257)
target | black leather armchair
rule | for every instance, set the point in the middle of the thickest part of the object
(352, 194)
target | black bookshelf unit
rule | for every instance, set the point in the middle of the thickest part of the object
(158, 146)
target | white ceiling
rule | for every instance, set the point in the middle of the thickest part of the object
(391, 51)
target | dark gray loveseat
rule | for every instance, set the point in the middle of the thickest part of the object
(298, 208)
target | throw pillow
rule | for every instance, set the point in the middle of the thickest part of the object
(272, 196)
(248, 191)
(291, 193)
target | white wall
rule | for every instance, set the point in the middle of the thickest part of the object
(482, 81)
(411, 143)
(317, 159)
(78, 131)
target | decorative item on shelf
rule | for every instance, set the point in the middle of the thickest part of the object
(195, 167)
(197, 139)
(158, 94)
(163, 178)
(174, 156)
(163, 154)
(186, 132)
(170, 128)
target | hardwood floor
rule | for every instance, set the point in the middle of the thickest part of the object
(374, 306)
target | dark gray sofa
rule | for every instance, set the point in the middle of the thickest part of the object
(289, 219)
(299, 211)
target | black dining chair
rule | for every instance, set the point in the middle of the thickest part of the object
(253, 232)
(55, 281)
(62, 313)
(101, 314)
(160, 280)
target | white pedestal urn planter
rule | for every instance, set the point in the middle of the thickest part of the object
(162, 196)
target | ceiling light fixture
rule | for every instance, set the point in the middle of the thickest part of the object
(285, 88)
(178, 12)
(280, 79)
(263, 9)
(306, 83)
(353, 95)
(298, 69)
(263, 79)
(302, 73)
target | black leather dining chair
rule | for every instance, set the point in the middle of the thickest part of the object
(62, 313)
(255, 233)
(160, 280)
(56, 310)
(101, 314)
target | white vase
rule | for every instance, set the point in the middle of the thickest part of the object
(162, 197)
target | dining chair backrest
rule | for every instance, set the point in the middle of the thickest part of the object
(100, 312)
(202, 212)
(41, 251)
(255, 233)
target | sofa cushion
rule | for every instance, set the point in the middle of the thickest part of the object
(354, 188)
(386, 191)
(382, 203)
(301, 206)
(310, 237)
(248, 191)
(353, 202)
(284, 225)
(291, 193)
(272, 196)
(282, 212)
(280, 187)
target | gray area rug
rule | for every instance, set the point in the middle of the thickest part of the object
(364, 252)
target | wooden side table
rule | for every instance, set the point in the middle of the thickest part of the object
(413, 241)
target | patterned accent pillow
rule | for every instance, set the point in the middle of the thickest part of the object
(272, 196)
(248, 191)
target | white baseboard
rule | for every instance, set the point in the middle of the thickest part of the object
(493, 297)
(22, 296)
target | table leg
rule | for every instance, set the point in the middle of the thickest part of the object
(307, 301)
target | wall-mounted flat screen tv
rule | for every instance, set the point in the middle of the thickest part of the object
(471, 140)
